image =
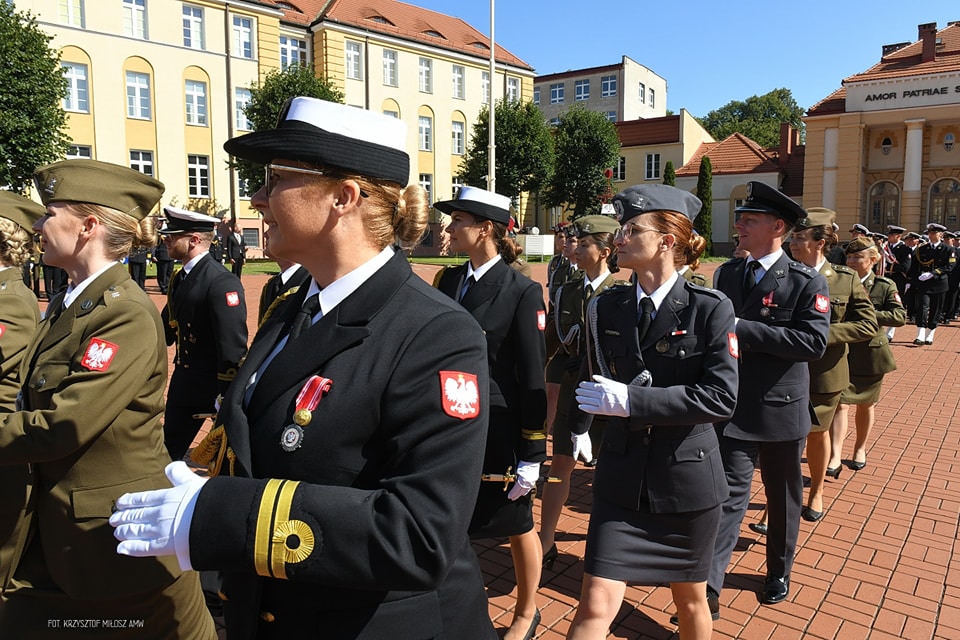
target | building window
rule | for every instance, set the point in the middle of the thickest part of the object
(653, 101)
(242, 37)
(653, 166)
(581, 90)
(536, 96)
(243, 188)
(456, 184)
(611, 115)
(513, 89)
(196, 94)
(390, 67)
(485, 86)
(883, 205)
(241, 100)
(642, 94)
(620, 171)
(138, 95)
(945, 203)
(426, 133)
(554, 122)
(142, 161)
(79, 151)
(948, 141)
(608, 86)
(198, 176)
(354, 60)
(458, 81)
(556, 93)
(135, 18)
(71, 13)
(192, 27)
(77, 97)
(456, 142)
(392, 114)
(426, 182)
(251, 237)
(292, 51)
(426, 75)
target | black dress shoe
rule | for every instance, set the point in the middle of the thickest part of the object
(775, 590)
(834, 473)
(532, 631)
(918, 341)
(810, 515)
(550, 557)
(713, 601)
(928, 341)
(857, 466)
(591, 463)
(758, 527)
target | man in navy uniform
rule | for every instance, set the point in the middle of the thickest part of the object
(206, 317)
(929, 278)
(783, 317)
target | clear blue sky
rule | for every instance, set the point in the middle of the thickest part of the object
(709, 52)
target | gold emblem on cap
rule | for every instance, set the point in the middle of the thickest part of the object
(302, 417)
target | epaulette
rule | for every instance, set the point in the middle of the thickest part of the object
(700, 288)
(799, 267)
(730, 262)
(439, 276)
(845, 269)
(884, 279)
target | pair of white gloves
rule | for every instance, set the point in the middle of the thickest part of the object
(926, 275)
(604, 397)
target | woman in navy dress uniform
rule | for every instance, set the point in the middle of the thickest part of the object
(566, 325)
(509, 308)
(348, 450)
(667, 355)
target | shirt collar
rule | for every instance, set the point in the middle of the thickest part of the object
(190, 264)
(74, 291)
(338, 290)
(768, 260)
(482, 269)
(599, 281)
(660, 294)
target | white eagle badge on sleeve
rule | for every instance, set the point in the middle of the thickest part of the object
(461, 395)
(99, 355)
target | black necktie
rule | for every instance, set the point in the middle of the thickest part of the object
(588, 291)
(276, 284)
(466, 287)
(304, 317)
(750, 279)
(646, 317)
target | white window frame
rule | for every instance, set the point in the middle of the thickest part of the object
(643, 91)
(457, 137)
(198, 176)
(425, 75)
(353, 59)
(611, 115)
(390, 69)
(243, 188)
(77, 98)
(135, 19)
(241, 98)
(652, 166)
(581, 90)
(425, 133)
(193, 27)
(556, 93)
(608, 86)
(457, 76)
(292, 51)
(620, 171)
(79, 151)
(426, 183)
(485, 86)
(195, 93)
(455, 184)
(139, 102)
(536, 96)
(391, 114)
(71, 13)
(242, 37)
(652, 101)
(142, 160)
(513, 89)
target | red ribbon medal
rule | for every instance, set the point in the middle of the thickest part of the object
(307, 400)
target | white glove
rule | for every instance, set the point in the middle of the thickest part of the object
(906, 288)
(604, 396)
(527, 475)
(582, 446)
(157, 523)
(923, 277)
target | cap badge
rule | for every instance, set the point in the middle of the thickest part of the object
(51, 187)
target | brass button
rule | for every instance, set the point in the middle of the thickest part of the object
(266, 616)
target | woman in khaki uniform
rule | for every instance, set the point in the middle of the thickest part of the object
(852, 319)
(869, 361)
(19, 315)
(89, 425)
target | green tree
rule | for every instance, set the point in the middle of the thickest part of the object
(524, 149)
(758, 117)
(267, 99)
(669, 174)
(704, 221)
(585, 145)
(32, 119)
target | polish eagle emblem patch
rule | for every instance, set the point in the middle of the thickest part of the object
(99, 355)
(822, 304)
(460, 395)
(233, 298)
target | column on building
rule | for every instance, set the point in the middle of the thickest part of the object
(912, 174)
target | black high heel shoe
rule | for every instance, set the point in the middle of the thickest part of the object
(834, 473)
(550, 557)
(532, 631)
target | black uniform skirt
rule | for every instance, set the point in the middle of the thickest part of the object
(646, 548)
(495, 515)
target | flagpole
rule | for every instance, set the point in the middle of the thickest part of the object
(492, 153)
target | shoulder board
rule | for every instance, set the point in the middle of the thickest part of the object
(439, 276)
(116, 292)
(799, 267)
(617, 287)
(620, 283)
(703, 289)
(884, 279)
(844, 269)
(731, 261)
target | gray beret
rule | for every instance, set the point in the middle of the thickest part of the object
(644, 198)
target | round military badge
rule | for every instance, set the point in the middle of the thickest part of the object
(764, 312)
(302, 417)
(663, 346)
(292, 438)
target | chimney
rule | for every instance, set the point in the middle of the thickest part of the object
(786, 143)
(928, 35)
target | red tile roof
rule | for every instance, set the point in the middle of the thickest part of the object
(734, 154)
(907, 62)
(636, 133)
(400, 20)
(834, 103)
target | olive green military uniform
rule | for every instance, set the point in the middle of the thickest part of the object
(696, 278)
(870, 360)
(852, 319)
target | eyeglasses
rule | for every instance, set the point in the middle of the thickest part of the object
(270, 179)
(626, 231)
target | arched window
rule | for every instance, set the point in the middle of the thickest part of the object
(945, 203)
(883, 205)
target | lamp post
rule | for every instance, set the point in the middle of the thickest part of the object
(492, 153)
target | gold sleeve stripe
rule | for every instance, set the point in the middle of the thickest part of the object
(278, 555)
(261, 540)
(527, 434)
